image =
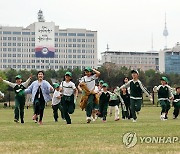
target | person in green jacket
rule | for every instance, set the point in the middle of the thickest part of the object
(104, 102)
(164, 97)
(18, 87)
(136, 91)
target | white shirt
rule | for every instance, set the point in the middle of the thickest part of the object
(90, 81)
(68, 88)
(55, 99)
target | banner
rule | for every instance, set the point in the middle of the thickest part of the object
(44, 39)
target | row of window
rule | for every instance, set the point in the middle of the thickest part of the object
(75, 45)
(73, 40)
(17, 44)
(56, 34)
(56, 39)
(56, 56)
(17, 38)
(56, 45)
(41, 67)
(56, 50)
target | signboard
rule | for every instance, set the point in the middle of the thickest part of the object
(44, 39)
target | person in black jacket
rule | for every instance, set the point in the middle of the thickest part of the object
(104, 102)
(176, 103)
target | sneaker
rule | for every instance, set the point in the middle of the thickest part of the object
(15, 120)
(104, 121)
(134, 120)
(88, 119)
(117, 119)
(93, 119)
(40, 123)
(34, 117)
(161, 117)
(174, 117)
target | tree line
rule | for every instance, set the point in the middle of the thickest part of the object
(110, 73)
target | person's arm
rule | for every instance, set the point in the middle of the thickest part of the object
(59, 95)
(8, 83)
(145, 91)
(29, 89)
(25, 84)
(126, 85)
(50, 88)
(1, 94)
(75, 90)
(79, 88)
(96, 72)
(122, 101)
(61, 87)
(171, 96)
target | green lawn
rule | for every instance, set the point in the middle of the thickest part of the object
(96, 137)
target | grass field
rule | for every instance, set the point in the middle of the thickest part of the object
(96, 137)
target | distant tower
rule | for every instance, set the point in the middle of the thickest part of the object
(165, 33)
(107, 47)
(40, 16)
(152, 42)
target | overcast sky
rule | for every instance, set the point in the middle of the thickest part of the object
(126, 25)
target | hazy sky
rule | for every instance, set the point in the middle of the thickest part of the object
(126, 25)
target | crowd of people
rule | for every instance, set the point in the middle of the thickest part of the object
(96, 100)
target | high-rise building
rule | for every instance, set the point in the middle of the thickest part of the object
(43, 45)
(169, 60)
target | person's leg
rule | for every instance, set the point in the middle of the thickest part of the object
(176, 111)
(116, 112)
(132, 107)
(110, 110)
(61, 110)
(163, 109)
(55, 112)
(168, 106)
(65, 110)
(71, 105)
(105, 107)
(138, 103)
(89, 107)
(21, 107)
(123, 112)
(16, 110)
(41, 112)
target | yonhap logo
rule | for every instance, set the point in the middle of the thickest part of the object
(130, 139)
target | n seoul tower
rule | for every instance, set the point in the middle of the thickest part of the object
(165, 33)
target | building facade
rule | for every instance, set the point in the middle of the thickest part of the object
(70, 48)
(133, 60)
(169, 60)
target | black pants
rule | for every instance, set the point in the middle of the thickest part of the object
(39, 106)
(127, 113)
(103, 106)
(55, 111)
(68, 107)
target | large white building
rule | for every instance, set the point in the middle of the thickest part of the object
(43, 45)
(133, 60)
